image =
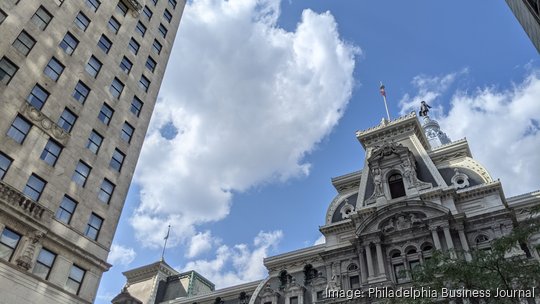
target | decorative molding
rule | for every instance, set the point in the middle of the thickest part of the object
(44, 123)
(13, 197)
(135, 6)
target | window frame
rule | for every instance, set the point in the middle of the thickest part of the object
(39, 192)
(90, 65)
(147, 12)
(114, 25)
(38, 20)
(163, 30)
(150, 64)
(156, 49)
(16, 128)
(21, 46)
(101, 113)
(4, 159)
(144, 83)
(93, 5)
(140, 28)
(92, 145)
(104, 43)
(90, 229)
(68, 122)
(49, 155)
(136, 110)
(42, 264)
(116, 88)
(78, 283)
(103, 191)
(81, 177)
(134, 46)
(5, 244)
(127, 135)
(64, 210)
(37, 97)
(67, 46)
(121, 8)
(54, 69)
(6, 67)
(82, 23)
(126, 65)
(115, 163)
(78, 94)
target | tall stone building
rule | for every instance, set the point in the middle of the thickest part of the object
(527, 13)
(78, 84)
(418, 192)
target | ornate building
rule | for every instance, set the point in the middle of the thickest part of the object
(527, 13)
(417, 193)
(78, 84)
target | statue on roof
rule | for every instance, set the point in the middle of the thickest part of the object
(424, 109)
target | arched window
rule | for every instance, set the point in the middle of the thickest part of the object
(395, 183)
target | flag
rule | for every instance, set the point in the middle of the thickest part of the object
(382, 90)
(167, 236)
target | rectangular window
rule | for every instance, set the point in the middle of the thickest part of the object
(75, 278)
(156, 47)
(69, 43)
(94, 142)
(93, 4)
(93, 66)
(117, 160)
(140, 28)
(400, 273)
(24, 43)
(51, 152)
(354, 281)
(144, 83)
(105, 114)
(44, 263)
(7, 70)
(41, 18)
(82, 21)
(134, 46)
(5, 162)
(67, 120)
(293, 300)
(127, 132)
(81, 91)
(93, 227)
(104, 44)
(150, 64)
(34, 187)
(3, 16)
(116, 88)
(37, 97)
(81, 173)
(106, 191)
(155, 2)
(167, 15)
(136, 106)
(114, 25)
(162, 30)
(126, 65)
(65, 210)
(8, 242)
(54, 69)
(121, 8)
(173, 4)
(19, 129)
(147, 13)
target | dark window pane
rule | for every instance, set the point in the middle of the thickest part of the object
(38, 96)
(34, 187)
(104, 44)
(51, 152)
(19, 129)
(44, 263)
(105, 114)
(150, 64)
(81, 173)
(106, 191)
(66, 210)
(136, 106)
(75, 278)
(67, 120)
(5, 162)
(121, 8)
(147, 13)
(126, 65)
(93, 227)
(144, 83)
(162, 30)
(140, 28)
(7, 70)
(127, 132)
(81, 91)
(93, 66)
(94, 142)
(173, 4)
(133, 46)
(8, 242)
(24, 43)
(116, 87)
(114, 25)
(54, 69)
(156, 47)
(82, 21)
(167, 15)
(93, 4)
(117, 160)
(41, 18)
(69, 43)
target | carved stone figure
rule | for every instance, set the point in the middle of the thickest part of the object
(424, 109)
(377, 180)
(25, 260)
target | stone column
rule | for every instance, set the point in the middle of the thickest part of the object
(464, 244)
(369, 260)
(380, 259)
(449, 242)
(436, 240)
(362, 260)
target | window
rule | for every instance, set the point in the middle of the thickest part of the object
(144, 83)
(24, 43)
(34, 187)
(147, 13)
(93, 66)
(51, 152)
(5, 162)
(173, 4)
(292, 300)
(105, 114)
(66, 210)
(41, 18)
(81, 173)
(354, 281)
(400, 273)
(19, 129)
(75, 278)
(69, 43)
(156, 47)
(167, 15)
(121, 8)
(127, 132)
(54, 69)
(136, 106)
(67, 120)
(3, 16)
(81, 91)
(8, 242)
(104, 44)
(117, 160)
(150, 64)
(93, 4)
(93, 227)
(44, 263)
(140, 28)
(82, 21)
(395, 183)
(94, 142)
(134, 46)
(106, 191)
(38, 96)
(162, 30)
(114, 25)
(116, 87)
(126, 65)
(155, 2)
(7, 70)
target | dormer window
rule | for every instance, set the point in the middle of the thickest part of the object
(395, 184)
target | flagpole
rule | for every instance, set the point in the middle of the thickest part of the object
(165, 245)
(383, 93)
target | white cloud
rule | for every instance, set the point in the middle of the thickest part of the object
(200, 243)
(503, 130)
(249, 100)
(121, 255)
(320, 240)
(238, 264)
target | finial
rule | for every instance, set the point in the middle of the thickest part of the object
(424, 109)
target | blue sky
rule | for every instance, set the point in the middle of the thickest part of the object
(261, 101)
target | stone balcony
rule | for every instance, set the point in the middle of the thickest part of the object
(11, 198)
(135, 5)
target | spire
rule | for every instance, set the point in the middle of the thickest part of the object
(433, 132)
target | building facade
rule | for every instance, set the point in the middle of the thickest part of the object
(418, 192)
(527, 13)
(78, 84)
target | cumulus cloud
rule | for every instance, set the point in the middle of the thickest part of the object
(320, 240)
(238, 264)
(121, 255)
(242, 103)
(502, 128)
(200, 243)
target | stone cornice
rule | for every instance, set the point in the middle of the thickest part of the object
(341, 226)
(43, 122)
(134, 5)
(479, 191)
(453, 150)
(301, 256)
(224, 293)
(144, 272)
(524, 200)
(347, 180)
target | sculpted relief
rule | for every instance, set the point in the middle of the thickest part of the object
(402, 221)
